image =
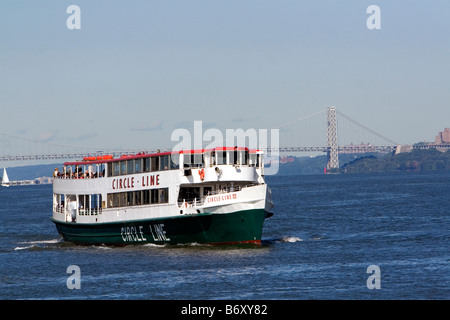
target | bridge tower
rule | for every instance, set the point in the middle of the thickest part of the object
(332, 140)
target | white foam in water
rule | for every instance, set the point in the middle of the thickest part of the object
(291, 239)
(102, 247)
(42, 241)
(154, 245)
(35, 244)
(196, 244)
(24, 248)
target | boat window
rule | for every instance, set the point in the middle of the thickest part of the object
(113, 200)
(207, 191)
(212, 159)
(233, 157)
(145, 196)
(188, 194)
(244, 157)
(186, 160)
(198, 160)
(154, 195)
(194, 160)
(110, 200)
(221, 157)
(163, 195)
(252, 160)
(164, 162)
(96, 200)
(81, 201)
(58, 202)
(174, 161)
(117, 202)
(137, 165)
(130, 166)
(89, 204)
(155, 164)
(146, 165)
(123, 167)
(122, 199)
(137, 198)
(116, 168)
(130, 198)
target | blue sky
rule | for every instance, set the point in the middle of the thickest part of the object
(137, 70)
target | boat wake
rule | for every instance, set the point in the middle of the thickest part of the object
(291, 239)
(40, 244)
(285, 239)
(154, 245)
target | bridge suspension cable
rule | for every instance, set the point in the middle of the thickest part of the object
(300, 119)
(366, 128)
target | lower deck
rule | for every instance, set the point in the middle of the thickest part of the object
(159, 203)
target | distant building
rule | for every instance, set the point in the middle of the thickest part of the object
(43, 180)
(402, 148)
(443, 137)
(287, 160)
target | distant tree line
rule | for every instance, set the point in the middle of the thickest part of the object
(416, 160)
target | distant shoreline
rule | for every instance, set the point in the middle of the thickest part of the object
(414, 161)
(417, 160)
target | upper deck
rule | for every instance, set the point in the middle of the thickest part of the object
(202, 165)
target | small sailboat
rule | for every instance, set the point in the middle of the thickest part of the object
(5, 179)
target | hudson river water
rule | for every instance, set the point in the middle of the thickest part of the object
(326, 232)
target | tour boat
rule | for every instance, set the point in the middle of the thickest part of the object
(207, 196)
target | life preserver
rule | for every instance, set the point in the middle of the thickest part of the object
(202, 174)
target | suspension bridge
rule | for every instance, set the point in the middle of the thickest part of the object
(327, 131)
